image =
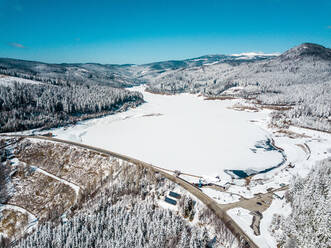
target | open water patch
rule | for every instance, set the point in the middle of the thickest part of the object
(266, 145)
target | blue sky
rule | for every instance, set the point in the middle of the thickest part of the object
(141, 31)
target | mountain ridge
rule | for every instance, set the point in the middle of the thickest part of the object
(300, 77)
(307, 49)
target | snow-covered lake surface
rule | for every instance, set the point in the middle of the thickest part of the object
(182, 132)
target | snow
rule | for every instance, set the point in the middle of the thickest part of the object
(221, 197)
(32, 219)
(244, 219)
(277, 206)
(187, 133)
(8, 81)
(318, 144)
(253, 54)
(76, 188)
(191, 135)
(232, 90)
(166, 205)
(72, 185)
(17, 208)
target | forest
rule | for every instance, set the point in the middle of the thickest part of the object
(64, 93)
(79, 73)
(126, 208)
(299, 78)
(39, 105)
(309, 223)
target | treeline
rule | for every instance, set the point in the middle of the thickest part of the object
(26, 106)
(309, 223)
(63, 74)
(293, 78)
(34, 77)
(311, 106)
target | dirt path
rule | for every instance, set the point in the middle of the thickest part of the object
(32, 219)
(260, 203)
(209, 202)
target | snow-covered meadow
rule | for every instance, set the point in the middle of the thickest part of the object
(181, 132)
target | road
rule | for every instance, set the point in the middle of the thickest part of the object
(209, 202)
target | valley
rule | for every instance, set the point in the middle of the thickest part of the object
(224, 132)
(209, 153)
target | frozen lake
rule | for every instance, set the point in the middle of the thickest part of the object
(182, 132)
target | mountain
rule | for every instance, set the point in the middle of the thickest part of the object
(307, 50)
(41, 95)
(146, 71)
(111, 74)
(242, 67)
(299, 77)
(88, 73)
(130, 74)
(206, 60)
(60, 94)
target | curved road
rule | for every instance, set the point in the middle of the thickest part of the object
(209, 202)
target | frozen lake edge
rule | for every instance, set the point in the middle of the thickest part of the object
(181, 132)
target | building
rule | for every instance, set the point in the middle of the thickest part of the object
(170, 201)
(174, 195)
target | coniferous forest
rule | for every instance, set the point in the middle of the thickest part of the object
(34, 105)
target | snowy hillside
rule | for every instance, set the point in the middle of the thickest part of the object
(309, 223)
(10, 81)
(299, 78)
(147, 72)
(68, 192)
(89, 73)
(27, 104)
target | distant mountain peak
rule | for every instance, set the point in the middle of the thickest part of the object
(254, 54)
(307, 50)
